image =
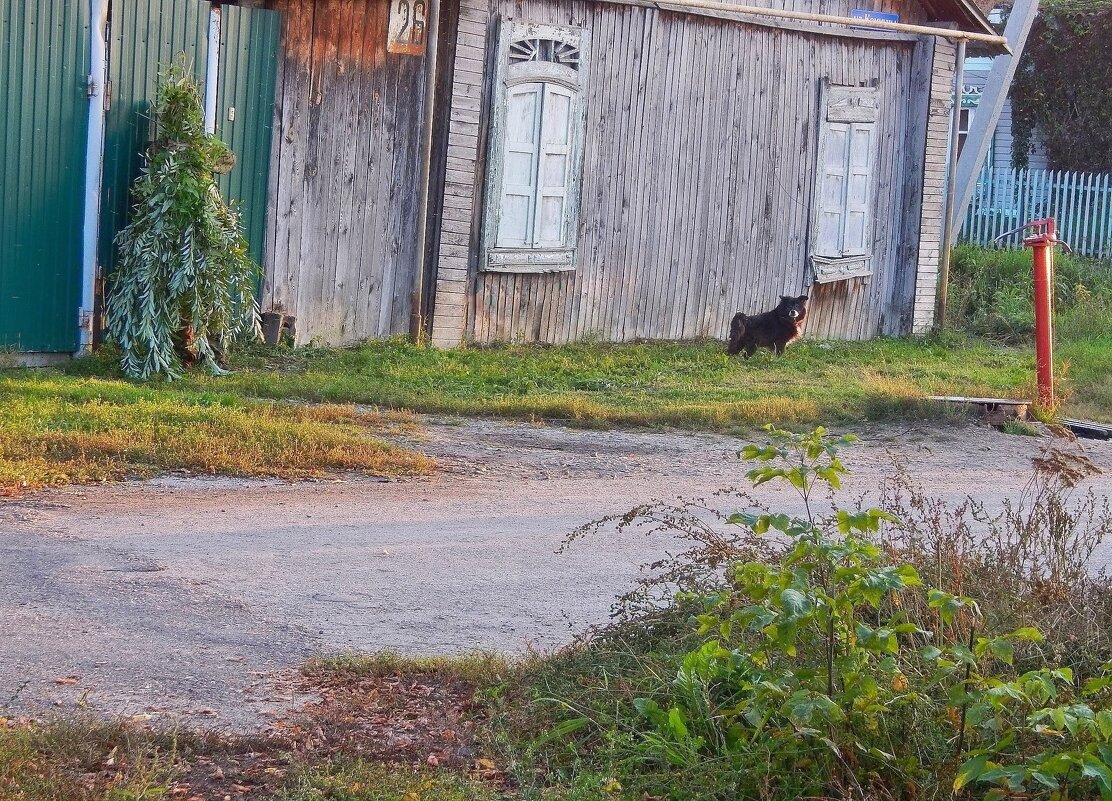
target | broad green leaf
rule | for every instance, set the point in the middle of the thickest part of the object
(650, 709)
(676, 723)
(1096, 769)
(971, 770)
(1027, 634)
(1002, 650)
(794, 602)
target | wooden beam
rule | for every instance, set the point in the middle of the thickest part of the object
(983, 125)
(705, 6)
(949, 228)
(781, 24)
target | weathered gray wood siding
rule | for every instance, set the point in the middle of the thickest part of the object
(698, 178)
(341, 235)
(934, 184)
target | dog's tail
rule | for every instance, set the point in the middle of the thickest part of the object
(737, 331)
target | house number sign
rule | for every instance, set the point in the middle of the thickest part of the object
(408, 27)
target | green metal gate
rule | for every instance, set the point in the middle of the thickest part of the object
(44, 64)
(148, 34)
(245, 111)
(44, 61)
(145, 34)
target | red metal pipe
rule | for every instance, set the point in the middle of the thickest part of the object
(1042, 249)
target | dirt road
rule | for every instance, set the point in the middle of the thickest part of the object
(194, 599)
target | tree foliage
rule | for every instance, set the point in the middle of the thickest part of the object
(184, 287)
(1061, 87)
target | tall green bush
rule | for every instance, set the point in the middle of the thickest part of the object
(835, 673)
(1061, 88)
(184, 288)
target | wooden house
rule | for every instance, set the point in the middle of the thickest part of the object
(537, 170)
(717, 160)
(614, 169)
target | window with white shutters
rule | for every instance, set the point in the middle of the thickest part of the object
(842, 232)
(535, 162)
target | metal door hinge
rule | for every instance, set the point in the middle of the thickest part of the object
(84, 319)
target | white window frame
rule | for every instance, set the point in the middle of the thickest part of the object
(554, 78)
(965, 122)
(850, 111)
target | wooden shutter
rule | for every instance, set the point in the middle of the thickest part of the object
(553, 165)
(859, 180)
(536, 149)
(847, 155)
(832, 190)
(519, 165)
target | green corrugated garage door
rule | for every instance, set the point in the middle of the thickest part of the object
(44, 61)
(150, 33)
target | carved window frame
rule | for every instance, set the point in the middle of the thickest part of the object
(555, 58)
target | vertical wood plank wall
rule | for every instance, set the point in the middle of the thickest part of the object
(341, 229)
(934, 183)
(698, 178)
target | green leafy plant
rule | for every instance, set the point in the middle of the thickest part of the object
(837, 671)
(183, 290)
(992, 295)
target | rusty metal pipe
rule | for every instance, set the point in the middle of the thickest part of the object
(1042, 251)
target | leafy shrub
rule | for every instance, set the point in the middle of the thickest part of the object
(184, 289)
(1060, 89)
(820, 665)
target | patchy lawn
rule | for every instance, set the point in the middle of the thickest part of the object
(385, 729)
(88, 424)
(686, 385)
(57, 429)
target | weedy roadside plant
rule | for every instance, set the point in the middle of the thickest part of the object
(184, 288)
(825, 667)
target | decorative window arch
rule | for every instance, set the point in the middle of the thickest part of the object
(535, 159)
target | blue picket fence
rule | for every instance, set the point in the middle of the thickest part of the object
(1080, 202)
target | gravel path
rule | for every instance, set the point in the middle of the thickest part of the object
(194, 599)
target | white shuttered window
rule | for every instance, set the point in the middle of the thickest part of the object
(536, 150)
(842, 233)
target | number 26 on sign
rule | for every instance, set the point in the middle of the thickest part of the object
(408, 27)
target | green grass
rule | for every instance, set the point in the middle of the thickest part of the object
(91, 761)
(686, 385)
(87, 423)
(342, 780)
(85, 761)
(57, 429)
(477, 667)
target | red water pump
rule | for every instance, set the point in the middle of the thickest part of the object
(1042, 242)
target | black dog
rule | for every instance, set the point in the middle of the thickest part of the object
(774, 329)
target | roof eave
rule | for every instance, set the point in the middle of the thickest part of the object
(969, 16)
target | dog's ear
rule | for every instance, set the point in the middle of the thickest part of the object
(786, 298)
(802, 298)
